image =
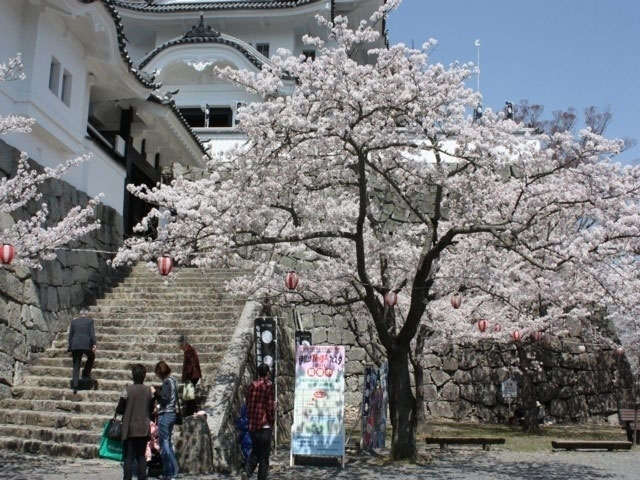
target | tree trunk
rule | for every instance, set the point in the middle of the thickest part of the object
(402, 407)
(529, 395)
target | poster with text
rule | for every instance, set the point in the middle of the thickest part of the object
(318, 417)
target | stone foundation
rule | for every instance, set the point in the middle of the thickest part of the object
(37, 304)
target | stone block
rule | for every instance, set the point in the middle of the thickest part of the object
(468, 392)
(578, 407)
(558, 408)
(30, 294)
(468, 359)
(430, 392)
(55, 273)
(6, 366)
(357, 354)
(10, 286)
(12, 343)
(462, 410)
(431, 361)
(77, 295)
(547, 391)
(450, 364)
(500, 374)
(601, 404)
(64, 297)
(348, 338)
(450, 392)
(441, 409)
(481, 374)
(487, 394)
(439, 377)
(486, 414)
(462, 376)
(52, 303)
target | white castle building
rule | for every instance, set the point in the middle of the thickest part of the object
(132, 80)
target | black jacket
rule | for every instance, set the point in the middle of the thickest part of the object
(82, 335)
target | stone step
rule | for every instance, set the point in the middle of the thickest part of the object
(93, 422)
(196, 294)
(204, 317)
(171, 341)
(50, 381)
(158, 308)
(48, 393)
(52, 355)
(65, 406)
(103, 374)
(218, 344)
(119, 364)
(49, 448)
(56, 435)
(126, 328)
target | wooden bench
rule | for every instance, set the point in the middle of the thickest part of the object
(629, 418)
(444, 442)
(591, 444)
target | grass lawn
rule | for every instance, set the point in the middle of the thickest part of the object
(516, 440)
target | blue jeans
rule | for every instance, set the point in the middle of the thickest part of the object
(165, 431)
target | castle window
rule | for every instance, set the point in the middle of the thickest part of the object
(263, 49)
(54, 76)
(309, 54)
(67, 79)
(220, 117)
(193, 116)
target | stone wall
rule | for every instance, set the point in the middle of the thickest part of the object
(464, 382)
(37, 304)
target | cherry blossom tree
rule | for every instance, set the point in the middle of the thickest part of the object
(370, 178)
(32, 238)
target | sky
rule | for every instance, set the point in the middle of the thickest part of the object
(556, 53)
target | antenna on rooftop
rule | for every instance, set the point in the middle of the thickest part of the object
(477, 44)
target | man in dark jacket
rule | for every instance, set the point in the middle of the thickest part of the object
(82, 341)
(262, 415)
(190, 371)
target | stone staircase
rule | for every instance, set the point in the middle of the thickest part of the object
(138, 321)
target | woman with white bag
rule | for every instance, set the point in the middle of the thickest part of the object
(191, 374)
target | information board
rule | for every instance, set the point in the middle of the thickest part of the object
(509, 388)
(318, 417)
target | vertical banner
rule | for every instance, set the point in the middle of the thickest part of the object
(266, 344)
(318, 418)
(374, 406)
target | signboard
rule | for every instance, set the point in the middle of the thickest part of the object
(374, 406)
(318, 420)
(509, 388)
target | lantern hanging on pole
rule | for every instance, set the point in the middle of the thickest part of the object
(456, 300)
(516, 335)
(536, 336)
(619, 351)
(497, 328)
(482, 325)
(165, 265)
(390, 299)
(7, 253)
(291, 280)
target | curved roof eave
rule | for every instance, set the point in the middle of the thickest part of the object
(253, 59)
(208, 6)
(143, 78)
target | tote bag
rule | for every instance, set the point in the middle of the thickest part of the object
(109, 448)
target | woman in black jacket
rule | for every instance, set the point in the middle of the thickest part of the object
(135, 405)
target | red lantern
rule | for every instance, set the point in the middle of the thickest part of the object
(390, 299)
(619, 351)
(456, 300)
(165, 264)
(7, 253)
(516, 335)
(291, 280)
(497, 328)
(536, 336)
(482, 325)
